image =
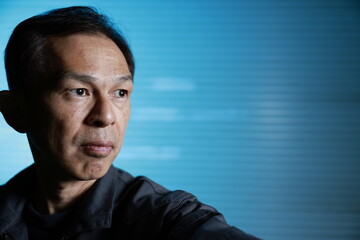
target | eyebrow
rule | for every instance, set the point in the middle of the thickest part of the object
(87, 78)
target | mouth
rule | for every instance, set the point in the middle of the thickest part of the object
(97, 149)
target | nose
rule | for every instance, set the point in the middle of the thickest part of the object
(102, 113)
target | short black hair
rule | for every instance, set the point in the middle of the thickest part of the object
(26, 52)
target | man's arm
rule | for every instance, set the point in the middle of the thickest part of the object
(216, 228)
(197, 221)
(150, 211)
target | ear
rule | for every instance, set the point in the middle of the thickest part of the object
(12, 108)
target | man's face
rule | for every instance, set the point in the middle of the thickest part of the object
(78, 121)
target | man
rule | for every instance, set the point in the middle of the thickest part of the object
(70, 75)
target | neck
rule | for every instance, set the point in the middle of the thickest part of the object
(53, 195)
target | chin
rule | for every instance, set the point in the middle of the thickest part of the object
(94, 170)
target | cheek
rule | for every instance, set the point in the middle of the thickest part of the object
(125, 115)
(45, 133)
(68, 124)
(122, 121)
(59, 126)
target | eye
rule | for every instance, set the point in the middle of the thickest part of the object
(121, 93)
(79, 92)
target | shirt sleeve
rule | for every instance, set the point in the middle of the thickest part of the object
(193, 220)
(217, 229)
(153, 212)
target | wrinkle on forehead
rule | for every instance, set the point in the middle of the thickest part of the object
(87, 57)
(90, 78)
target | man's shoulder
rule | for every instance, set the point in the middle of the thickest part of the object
(141, 190)
(142, 197)
(148, 209)
(13, 196)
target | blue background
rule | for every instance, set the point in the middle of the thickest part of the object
(253, 106)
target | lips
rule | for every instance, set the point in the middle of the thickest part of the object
(98, 148)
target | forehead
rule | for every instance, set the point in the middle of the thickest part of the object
(93, 54)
